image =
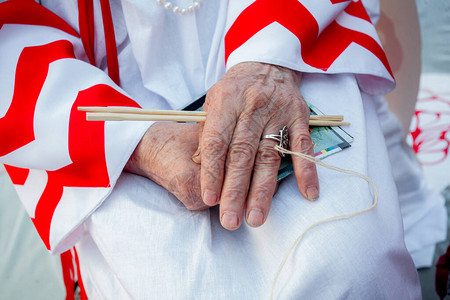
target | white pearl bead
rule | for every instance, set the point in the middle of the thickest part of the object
(176, 9)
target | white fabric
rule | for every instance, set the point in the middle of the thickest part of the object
(143, 244)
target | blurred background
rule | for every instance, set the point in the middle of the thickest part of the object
(28, 272)
(433, 110)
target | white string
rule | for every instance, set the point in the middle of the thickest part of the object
(335, 218)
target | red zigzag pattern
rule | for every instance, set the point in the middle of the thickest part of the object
(318, 51)
(86, 139)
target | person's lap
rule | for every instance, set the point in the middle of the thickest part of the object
(149, 246)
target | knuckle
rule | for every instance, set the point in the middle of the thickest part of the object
(267, 155)
(241, 154)
(302, 142)
(211, 175)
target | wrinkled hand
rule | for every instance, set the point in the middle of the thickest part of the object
(238, 169)
(164, 156)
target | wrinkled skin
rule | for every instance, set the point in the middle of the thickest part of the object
(164, 156)
(237, 168)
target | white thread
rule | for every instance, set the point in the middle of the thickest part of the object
(335, 218)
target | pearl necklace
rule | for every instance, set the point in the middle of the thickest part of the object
(176, 9)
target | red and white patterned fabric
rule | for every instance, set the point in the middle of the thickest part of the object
(62, 166)
(325, 36)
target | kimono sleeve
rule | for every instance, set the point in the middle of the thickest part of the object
(61, 165)
(321, 36)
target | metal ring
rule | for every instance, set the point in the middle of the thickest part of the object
(275, 137)
(282, 139)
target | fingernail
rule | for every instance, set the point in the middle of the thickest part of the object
(255, 217)
(313, 193)
(210, 198)
(196, 157)
(229, 220)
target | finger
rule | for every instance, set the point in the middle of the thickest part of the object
(238, 171)
(217, 133)
(305, 171)
(264, 180)
(197, 157)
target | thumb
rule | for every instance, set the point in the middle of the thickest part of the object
(196, 157)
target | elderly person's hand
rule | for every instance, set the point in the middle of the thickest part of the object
(164, 156)
(238, 167)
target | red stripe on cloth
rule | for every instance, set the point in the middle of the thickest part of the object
(338, 1)
(30, 13)
(334, 40)
(68, 271)
(110, 41)
(16, 126)
(289, 13)
(83, 295)
(317, 51)
(87, 152)
(357, 9)
(18, 175)
(86, 24)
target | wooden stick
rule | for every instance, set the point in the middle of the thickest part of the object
(327, 117)
(135, 110)
(96, 116)
(327, 123)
